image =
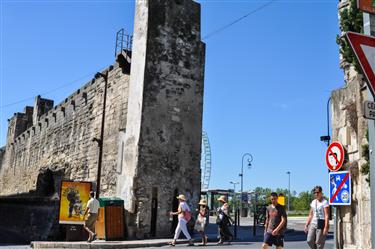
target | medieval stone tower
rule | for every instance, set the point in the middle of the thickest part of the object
(152, 135)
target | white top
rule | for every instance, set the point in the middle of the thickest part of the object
(93, 205)
(318, 209)
(225, 210)
(184, 207)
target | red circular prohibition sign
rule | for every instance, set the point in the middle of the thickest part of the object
(338, 158)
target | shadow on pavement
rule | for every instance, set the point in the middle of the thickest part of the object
(8, 237)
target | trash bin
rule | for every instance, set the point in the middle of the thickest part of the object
(110, 223)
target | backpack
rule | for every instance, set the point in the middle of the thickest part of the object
(187, 215)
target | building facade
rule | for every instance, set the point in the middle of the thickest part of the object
(353, 223)
(152, 132)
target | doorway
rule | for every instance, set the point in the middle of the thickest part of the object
(154, 211)
(174, 209)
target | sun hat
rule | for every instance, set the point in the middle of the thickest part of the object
(181, 197)
(222, 198)
(203, 202)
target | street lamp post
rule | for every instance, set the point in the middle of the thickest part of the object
(327, 140)
(249, 160)
(234, 190)
(288, 172)
(234, 207)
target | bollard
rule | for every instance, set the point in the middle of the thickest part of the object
(255, 225)
(235, 223)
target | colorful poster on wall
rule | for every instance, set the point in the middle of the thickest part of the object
(73, 200)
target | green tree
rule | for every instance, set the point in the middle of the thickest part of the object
(351, 19)
(302, 203)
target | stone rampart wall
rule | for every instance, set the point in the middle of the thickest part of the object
(62, 138)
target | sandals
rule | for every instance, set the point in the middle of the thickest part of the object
(92, 238)
(191, 242)
(172, 243)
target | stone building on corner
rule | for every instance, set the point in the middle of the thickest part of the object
(152, 135)
(350, 128)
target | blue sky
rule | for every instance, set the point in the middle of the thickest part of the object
(267, 79)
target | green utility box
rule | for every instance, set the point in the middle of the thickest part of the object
(110, 223)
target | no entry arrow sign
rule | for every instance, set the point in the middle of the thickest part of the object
(335, 156)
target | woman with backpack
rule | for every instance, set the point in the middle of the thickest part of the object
(223, 220)
(184, 217)
(201, 222)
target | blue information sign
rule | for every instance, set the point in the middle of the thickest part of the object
(340, 188)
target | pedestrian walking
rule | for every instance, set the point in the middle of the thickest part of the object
(224, 221)
(201, 222)
(184, 217)
(275, 224)
(91, 211)
(317, 223)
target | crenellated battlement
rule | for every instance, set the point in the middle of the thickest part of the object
(35, 119)
(61, 135)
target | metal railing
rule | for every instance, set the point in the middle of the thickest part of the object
(123, 41)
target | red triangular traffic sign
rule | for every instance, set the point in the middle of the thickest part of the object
(364, 49)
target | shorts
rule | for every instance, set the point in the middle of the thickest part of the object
(277, 240)
(90, 221)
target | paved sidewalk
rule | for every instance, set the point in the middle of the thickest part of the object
(244, 236)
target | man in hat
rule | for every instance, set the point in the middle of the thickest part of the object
(184, 217)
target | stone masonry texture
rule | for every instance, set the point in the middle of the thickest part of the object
(350, 127)
(152, 134)
(164, 126)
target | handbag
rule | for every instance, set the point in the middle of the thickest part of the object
(320, 222)
(218, 220)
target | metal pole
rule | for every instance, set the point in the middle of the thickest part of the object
(368, 26)
(255, 215)
(288, 172)
(100, 141)
(241, 175)
(235, 224)
(329, 138)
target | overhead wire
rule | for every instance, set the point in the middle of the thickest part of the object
(238, 20)
(205, 37)
(52, 90)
